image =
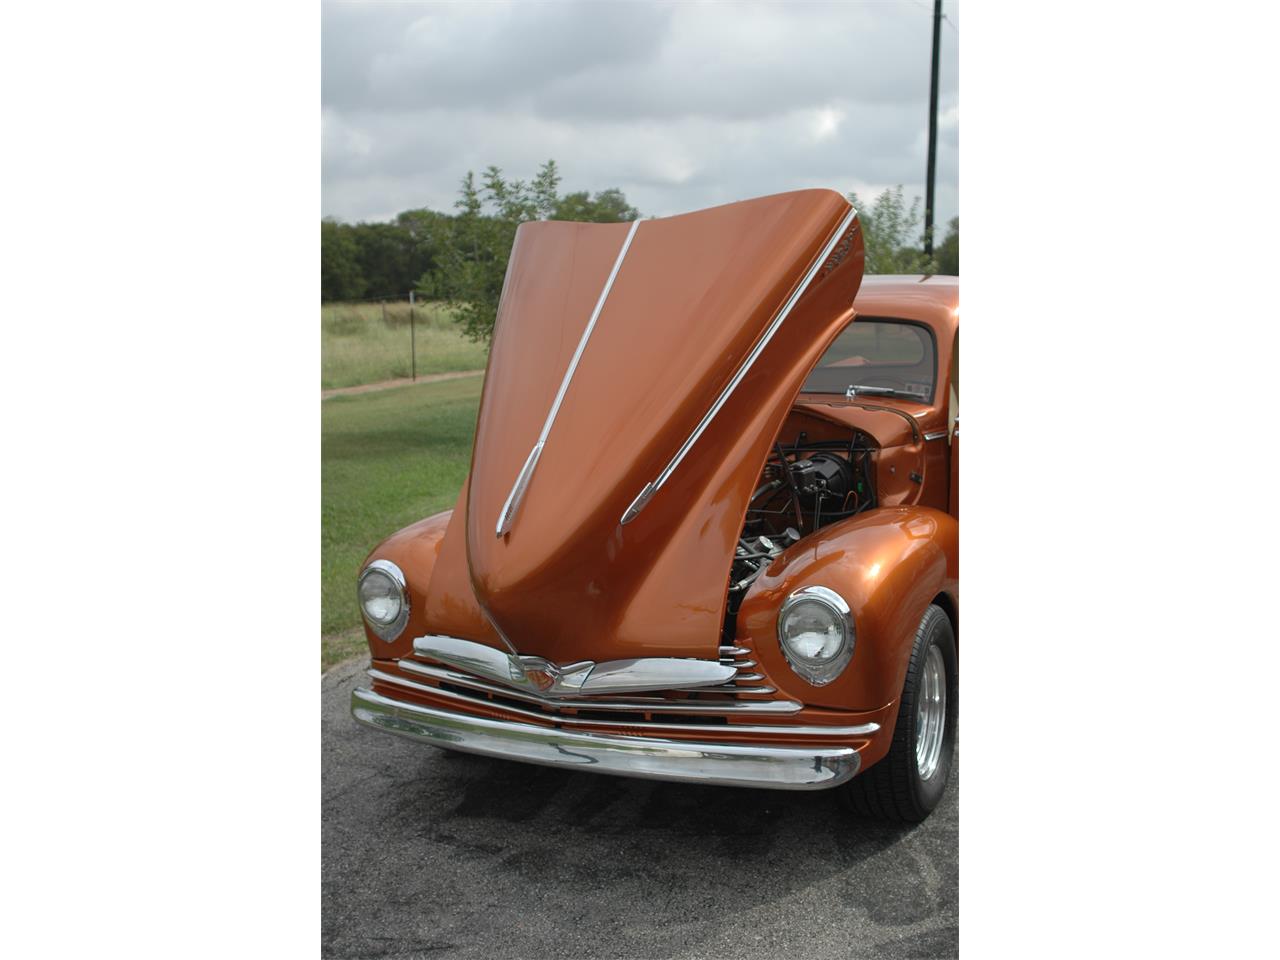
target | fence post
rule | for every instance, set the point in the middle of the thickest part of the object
(384, 312)
(413, 341)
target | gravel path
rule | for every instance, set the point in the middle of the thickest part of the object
(401, 382)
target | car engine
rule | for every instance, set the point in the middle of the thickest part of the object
(804, 486)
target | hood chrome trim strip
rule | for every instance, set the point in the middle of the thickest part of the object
(508, 514)
(507, 517)
(645, 495)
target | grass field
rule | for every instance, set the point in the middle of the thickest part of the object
(357, 346)
(387, 459)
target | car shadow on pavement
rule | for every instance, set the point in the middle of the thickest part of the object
(558, 826)
(686, 813)
(429, 850)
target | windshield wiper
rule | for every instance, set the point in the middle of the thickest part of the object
(855, 390)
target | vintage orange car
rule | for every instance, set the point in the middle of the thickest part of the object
(709, 532)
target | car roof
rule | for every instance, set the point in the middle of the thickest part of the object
(934, 299)
(932, 283)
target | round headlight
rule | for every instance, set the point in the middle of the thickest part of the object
(815, 629)
(383, 601)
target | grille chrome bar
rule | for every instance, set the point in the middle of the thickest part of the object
(812, 730)
(630, 704)
(747, 683)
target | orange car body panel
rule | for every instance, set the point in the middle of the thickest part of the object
(889, 564)
(569, 581)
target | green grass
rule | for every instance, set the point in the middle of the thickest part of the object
(387, 459)
(357, 346)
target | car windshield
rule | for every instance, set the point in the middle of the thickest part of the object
(878, 357)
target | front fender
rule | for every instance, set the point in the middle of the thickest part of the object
(415, 550)
(888, 564)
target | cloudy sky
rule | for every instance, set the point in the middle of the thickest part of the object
(682, 105)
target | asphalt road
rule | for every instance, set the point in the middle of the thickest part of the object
(432, 853)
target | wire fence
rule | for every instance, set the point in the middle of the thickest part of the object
(387, 297)
(392, 338)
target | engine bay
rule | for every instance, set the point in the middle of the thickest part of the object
(807, 483)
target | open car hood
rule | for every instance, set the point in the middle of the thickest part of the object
(639, 371)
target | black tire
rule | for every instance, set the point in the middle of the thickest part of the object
(893, 789)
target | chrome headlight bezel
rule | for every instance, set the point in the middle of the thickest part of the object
(818, 672)
(385, 630)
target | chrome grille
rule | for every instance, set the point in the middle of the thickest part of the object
(748, 683)
(746, 693)
(689, 723)
(745, 704)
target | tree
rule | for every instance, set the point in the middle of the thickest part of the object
(340, 276)
(889, 228)
(607, 206)
(385, 254)
(545, 185)
(430, 234)
(948, 252)
(471, 267)
(380, 259)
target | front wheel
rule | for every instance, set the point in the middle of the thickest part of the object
(909, 782)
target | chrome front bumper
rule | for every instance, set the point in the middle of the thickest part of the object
(726, 764)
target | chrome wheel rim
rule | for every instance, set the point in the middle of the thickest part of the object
(931, 713)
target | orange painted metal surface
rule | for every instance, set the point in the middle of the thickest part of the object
(889, 565)
(953, 504)
(691, 298)
(933, 302)
(415, 550)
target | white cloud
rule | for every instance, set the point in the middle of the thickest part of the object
(682, 106)
(826, 123)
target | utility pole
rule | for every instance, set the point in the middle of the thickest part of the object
(933, 132)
